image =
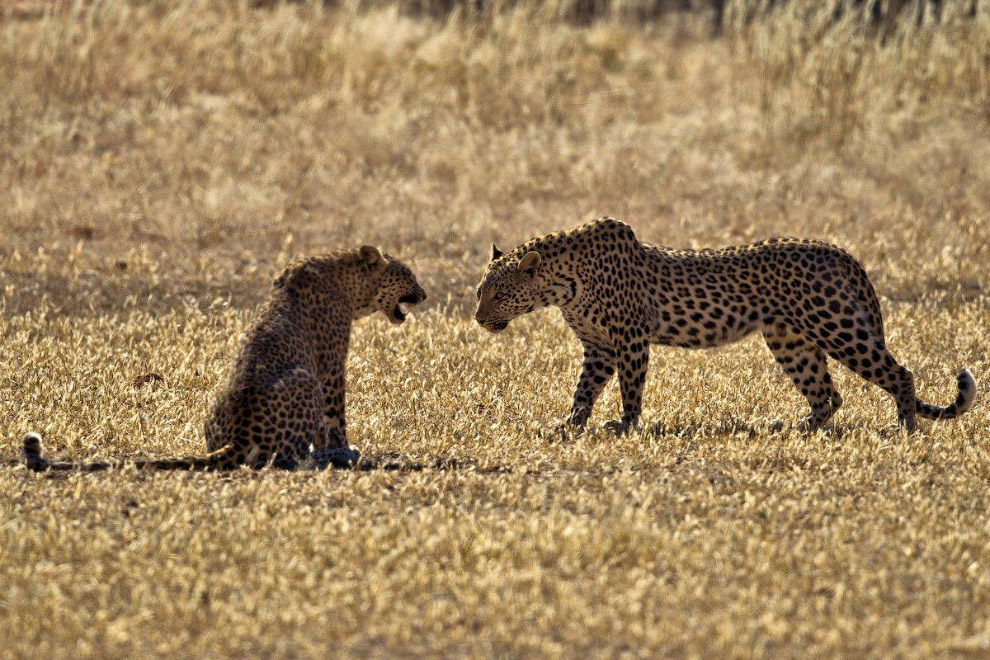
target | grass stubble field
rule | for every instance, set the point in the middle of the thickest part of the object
(160, 161)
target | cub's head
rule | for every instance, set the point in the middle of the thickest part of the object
(396, 286)
(508, 289)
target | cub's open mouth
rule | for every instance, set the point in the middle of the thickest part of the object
(497, 326)
(399, 312)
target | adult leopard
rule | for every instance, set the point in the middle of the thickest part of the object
(284, 398)
(810, 300)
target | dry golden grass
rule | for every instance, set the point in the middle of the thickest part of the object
(160, 161)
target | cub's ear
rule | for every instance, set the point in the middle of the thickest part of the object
(496, 253)
(529, 262)
(372, 256)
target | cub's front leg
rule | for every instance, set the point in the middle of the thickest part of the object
(332, 448)
(334, 418)
(331, 444)
(334, 434)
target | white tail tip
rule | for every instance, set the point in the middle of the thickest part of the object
(967, 389)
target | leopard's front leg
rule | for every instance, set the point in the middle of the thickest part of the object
(632, 362)
(596, 371)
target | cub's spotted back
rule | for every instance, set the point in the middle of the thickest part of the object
(284, 397)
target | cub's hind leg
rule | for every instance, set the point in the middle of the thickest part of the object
(807, 367)
(287, 421)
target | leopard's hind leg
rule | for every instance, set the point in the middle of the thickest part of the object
(865, 353)
(850, 330)
(807, 367)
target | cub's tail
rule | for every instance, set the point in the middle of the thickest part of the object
(222, 459)
(963, 403)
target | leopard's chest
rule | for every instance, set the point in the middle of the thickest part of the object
(600, 322)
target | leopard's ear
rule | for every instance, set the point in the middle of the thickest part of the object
(496, 253)
(372, 256)
(529, 262)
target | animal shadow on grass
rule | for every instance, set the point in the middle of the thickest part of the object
(387, 462)
(398, 462)
(736, 427)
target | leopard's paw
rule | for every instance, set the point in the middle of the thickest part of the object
(344, 457)
(620, 427)
(561, 431)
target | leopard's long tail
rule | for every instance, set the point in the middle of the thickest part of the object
(220, 459)
(963, 403)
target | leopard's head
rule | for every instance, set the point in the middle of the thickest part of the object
(509, 288)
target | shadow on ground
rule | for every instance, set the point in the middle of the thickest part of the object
(736, 427)
(396, 462)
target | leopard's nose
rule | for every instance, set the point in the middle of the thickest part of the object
(421, 294)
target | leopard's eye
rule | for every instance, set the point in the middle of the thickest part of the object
(498, 295)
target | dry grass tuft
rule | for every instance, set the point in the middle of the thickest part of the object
(159, 161)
